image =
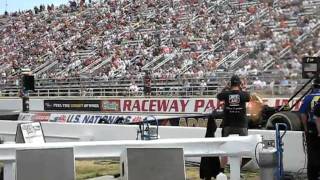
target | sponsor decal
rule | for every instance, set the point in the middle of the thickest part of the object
(41, 116)
(25, 117)
(110, 105)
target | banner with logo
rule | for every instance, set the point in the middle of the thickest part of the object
(176, 105)
(150, 105)
(101, 118)
(71, 105)
(163, 120)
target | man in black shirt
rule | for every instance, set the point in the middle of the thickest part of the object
(310, 118)
(235, 121)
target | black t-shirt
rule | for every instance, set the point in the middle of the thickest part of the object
(234, 108)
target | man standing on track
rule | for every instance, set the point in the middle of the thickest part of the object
(310, 117)
(235, 121)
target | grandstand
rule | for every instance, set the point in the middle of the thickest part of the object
(101, 48)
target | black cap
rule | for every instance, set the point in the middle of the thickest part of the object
(235, 80)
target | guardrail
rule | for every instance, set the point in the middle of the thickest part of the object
(234, 147)
(157, 91)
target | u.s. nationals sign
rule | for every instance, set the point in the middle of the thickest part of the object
(174, 105)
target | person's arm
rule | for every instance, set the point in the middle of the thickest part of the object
(318, 125)
(316, 111)
(221, 96)
(247, 97)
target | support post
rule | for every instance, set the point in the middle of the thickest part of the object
(235, 164)
(9, 170)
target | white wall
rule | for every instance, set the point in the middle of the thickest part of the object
(16, 104)
(294, 156)
(201, 104)
(11, 104)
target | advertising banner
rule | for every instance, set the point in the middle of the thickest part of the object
(150, 105)
(163, 120)
(176, 105)
(87, 118)
(71, 105)
(100, 118)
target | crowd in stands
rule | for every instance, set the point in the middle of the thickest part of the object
(176, 38)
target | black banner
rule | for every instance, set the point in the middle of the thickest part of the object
(72, 105)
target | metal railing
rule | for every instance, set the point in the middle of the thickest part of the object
(156, 91)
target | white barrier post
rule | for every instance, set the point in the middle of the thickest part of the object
(9, 170)
(235, 166)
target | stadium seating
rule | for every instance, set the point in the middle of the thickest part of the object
(176, 39)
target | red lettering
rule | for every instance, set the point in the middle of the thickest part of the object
(165, 123)
(126, 105)
(136, 106)
(209, 106)
(174, 106)
(137, 119)
(297, 106)
(284, 102)
(220, 104)
(152, 105)
(277, 104)
(144, 105)
(198, 104)
(183, 105)
(163, 105)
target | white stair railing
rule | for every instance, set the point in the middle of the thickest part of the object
(167, 58)
(87, 68)
(100, 65)
(202, 56)
(233, 53)
(51, 65)
(145, 67)
(235, 62)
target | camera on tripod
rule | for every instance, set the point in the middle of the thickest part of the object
(310, 67)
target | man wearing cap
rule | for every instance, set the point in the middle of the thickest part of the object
(235, 121)
(310, 117)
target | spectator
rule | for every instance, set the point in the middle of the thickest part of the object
(133, 89)
(203, 87)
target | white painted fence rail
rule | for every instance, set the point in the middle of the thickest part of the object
(234, 147)
(294, 152)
